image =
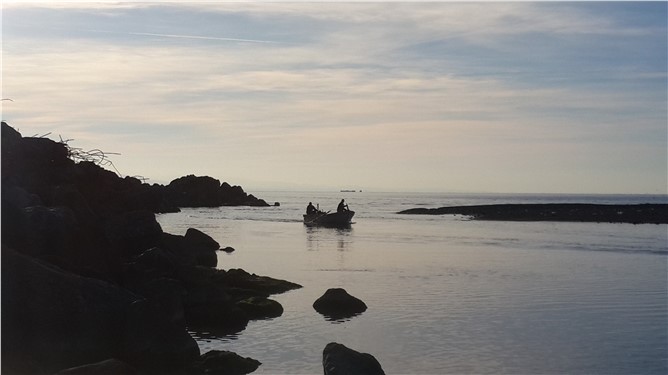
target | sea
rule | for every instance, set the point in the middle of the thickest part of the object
(447, 294)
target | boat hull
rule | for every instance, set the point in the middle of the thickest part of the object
(335, 219)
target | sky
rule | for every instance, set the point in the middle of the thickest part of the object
(520, 97)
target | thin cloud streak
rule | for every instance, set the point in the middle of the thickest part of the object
(194, 37)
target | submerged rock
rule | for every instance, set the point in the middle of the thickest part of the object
(336, 303)
(337, 359)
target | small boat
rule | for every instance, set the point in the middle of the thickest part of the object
(326, 219)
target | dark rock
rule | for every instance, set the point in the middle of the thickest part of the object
(261, 308)
(336, 303)
(152, 264)
(158, 262)
(168, 294)
(196, 239)
(14, 222)
(153, 340)
(206, 295)
(42, 305)
(337, 359)
(239, 278)
(195, 248)
(207, 304)
(133, 232)
(60, 320)
(106, 367)
(573, 212)
(20, 197)
(50, 231)
(228, 249)
(225, 363)
(235, 196)
(253, 201)
(108, 282)
(221, 318)
(68, 195)
(194, 191)
(200, 252)
(213, 296)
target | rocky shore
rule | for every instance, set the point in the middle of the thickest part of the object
(92, 284)
(573, 212)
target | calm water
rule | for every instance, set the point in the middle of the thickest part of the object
(447, 295)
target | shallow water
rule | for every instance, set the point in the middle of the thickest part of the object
(448, 295)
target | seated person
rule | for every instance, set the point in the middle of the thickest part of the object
(310, 209)
(342, 206)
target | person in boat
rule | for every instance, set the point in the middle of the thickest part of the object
(310, 209)
(342, 206)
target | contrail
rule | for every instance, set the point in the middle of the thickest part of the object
(188, 37)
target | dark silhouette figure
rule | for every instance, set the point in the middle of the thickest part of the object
(310, 209)
(342, 206)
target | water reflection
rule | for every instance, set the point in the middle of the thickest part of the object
(340, 318)
(207, 336)
(320, 238)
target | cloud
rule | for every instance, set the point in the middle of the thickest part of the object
(450, 92)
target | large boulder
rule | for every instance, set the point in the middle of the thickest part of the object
(337, 359)
(194, 249)
(336, 304)
(202, 247)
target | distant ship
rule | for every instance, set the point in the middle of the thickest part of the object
(350, 191)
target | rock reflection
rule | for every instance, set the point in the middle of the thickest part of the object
(338, 319)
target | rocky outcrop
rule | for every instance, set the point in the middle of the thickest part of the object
(44, 168)
(336, 304)
(337, 359)
(224, 301)
(90, 279)
(204, 191)
(573, 212)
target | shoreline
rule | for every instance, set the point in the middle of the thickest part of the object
(649, 213)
